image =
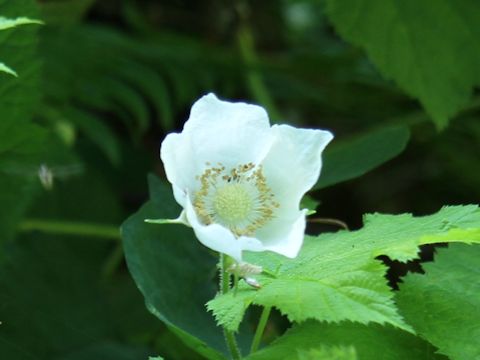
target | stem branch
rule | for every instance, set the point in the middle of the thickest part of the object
(224, 289)
(260, 328)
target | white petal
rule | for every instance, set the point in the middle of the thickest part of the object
(293, 164)
(284, 236)
(217, 131)
(219, 238)
(179, 163)
(226, 132)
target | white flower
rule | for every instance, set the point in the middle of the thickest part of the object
(239, 180)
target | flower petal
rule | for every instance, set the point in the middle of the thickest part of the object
(293, 164)
(219, 238)
(284, 236)
(180, 167)
(235, 133)
(216, 131)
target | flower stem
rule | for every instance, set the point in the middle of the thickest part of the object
(224, 289)
(260, 328)
(106, 232)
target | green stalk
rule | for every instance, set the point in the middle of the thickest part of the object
(224, 289)
(106, 232)
(260, 328)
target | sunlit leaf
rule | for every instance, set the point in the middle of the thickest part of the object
(418, 44)
(337, 277)
(442, 304)
(4, 68)
(6, 23)
(346, 341)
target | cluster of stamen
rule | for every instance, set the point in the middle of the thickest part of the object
(237, 198)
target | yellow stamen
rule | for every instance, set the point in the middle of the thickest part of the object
(238, 199)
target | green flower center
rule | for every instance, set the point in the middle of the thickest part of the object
(232, 203)
(238, 199)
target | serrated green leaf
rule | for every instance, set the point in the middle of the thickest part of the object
(229, 309)
(443, 304)
(406, 42)
(367, 342)
(336, 276)
(327, 353)
(349, 159)
(467, 236)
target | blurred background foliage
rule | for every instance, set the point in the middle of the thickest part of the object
(101, 83)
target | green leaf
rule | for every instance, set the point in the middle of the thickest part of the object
(336, 276)
(18, 95)
(5, 24)
(349, 159)
(6, 69)
(309, 203)
(173, 271)
(11, 23)
(346, 341)
(443, 304)
(429, 48)
(328, 353)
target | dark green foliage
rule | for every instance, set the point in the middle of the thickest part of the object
(100, 83)
(56, 307)
(173, 271)
(444, 297)
(18, 97)
(417, 44)
(368, 342)
(342, 161)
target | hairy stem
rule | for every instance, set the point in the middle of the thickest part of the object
(224, 289)
(106, 232)
(260, 328)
